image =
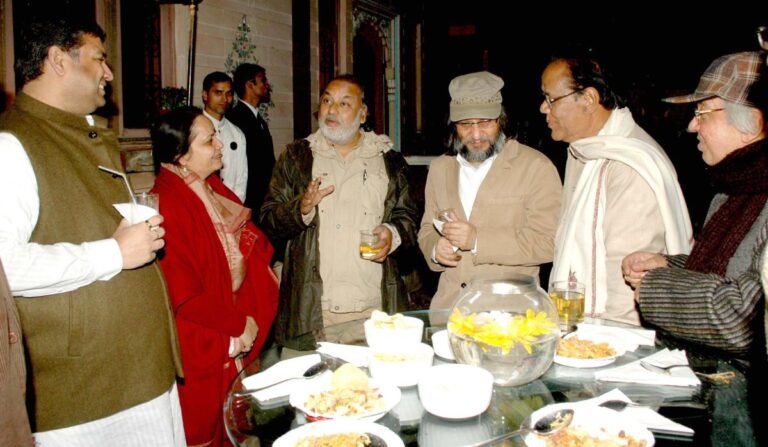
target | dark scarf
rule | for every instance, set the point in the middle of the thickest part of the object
(743, 176)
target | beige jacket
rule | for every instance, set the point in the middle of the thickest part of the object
(515, 213)
(350, 283)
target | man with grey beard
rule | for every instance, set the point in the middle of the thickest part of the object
(324, 190)
(492, 207)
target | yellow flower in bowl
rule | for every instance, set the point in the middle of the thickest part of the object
(501, 329)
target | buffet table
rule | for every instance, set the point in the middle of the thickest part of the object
(716, 411)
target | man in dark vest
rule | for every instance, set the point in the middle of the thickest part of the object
(98, 329)
(252, 90)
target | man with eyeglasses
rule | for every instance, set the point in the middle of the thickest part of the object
(620, 191)
(252, 88)
(711, 296)
(504, 196)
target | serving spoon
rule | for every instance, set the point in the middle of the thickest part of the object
(545, 426)
(311, 372)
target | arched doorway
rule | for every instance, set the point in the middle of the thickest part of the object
(369, 69)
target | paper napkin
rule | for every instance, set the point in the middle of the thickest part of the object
(282, 370)
(642, 415)
(635, 373)
(135, 213)
(357, 355)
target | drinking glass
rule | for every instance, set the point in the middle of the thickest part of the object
(568, 297)
(367, 241)
(150, 199)
(444, 215)
(144, 206)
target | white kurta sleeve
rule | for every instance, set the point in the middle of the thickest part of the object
(35, 269)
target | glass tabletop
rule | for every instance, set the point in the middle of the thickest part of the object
(249, 422)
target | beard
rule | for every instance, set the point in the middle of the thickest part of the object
(494, 147)
(340, 134)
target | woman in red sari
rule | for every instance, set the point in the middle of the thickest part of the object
(217, 267)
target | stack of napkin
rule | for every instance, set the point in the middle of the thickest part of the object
(642, 415)
(636, 373)
(292, 368)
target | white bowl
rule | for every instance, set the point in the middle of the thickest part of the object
(442, 345)
(384, 336)
(456, 391)
(401, 366)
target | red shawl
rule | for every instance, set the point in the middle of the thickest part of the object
(200, 287)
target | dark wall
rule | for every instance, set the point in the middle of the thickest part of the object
(651, 53)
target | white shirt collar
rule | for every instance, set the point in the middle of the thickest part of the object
(216, 123)
(470, 179)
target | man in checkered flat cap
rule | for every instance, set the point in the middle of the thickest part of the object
(503, 196)
(713, 296)
(620, 191)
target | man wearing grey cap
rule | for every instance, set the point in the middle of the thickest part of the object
(504, 197)
(712, 296)
(620, 190)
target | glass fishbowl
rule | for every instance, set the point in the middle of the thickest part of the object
(508, 326)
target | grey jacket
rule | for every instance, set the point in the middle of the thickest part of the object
(723, 312)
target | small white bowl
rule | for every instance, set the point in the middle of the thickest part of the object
(386, 336)
(456, 391)
(442, 345)
(401, 366)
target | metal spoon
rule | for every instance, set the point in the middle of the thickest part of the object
(660, 369)
(312, 371)
(376, 440)
(618, 405)
(545, 426)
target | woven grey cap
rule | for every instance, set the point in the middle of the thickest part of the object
(475, 95)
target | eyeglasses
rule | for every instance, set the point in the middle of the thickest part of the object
(551, 101)
(697, 113)
(481, 124)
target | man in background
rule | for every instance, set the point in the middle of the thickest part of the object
(252, 88)
(217, 100)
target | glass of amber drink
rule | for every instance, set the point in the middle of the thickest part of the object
(367, 241)
(568, 297)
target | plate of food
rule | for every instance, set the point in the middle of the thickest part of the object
(587, 351)
(339, 434)
(591, 425)
(348, 393)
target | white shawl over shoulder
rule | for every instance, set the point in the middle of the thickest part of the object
(580, 244)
